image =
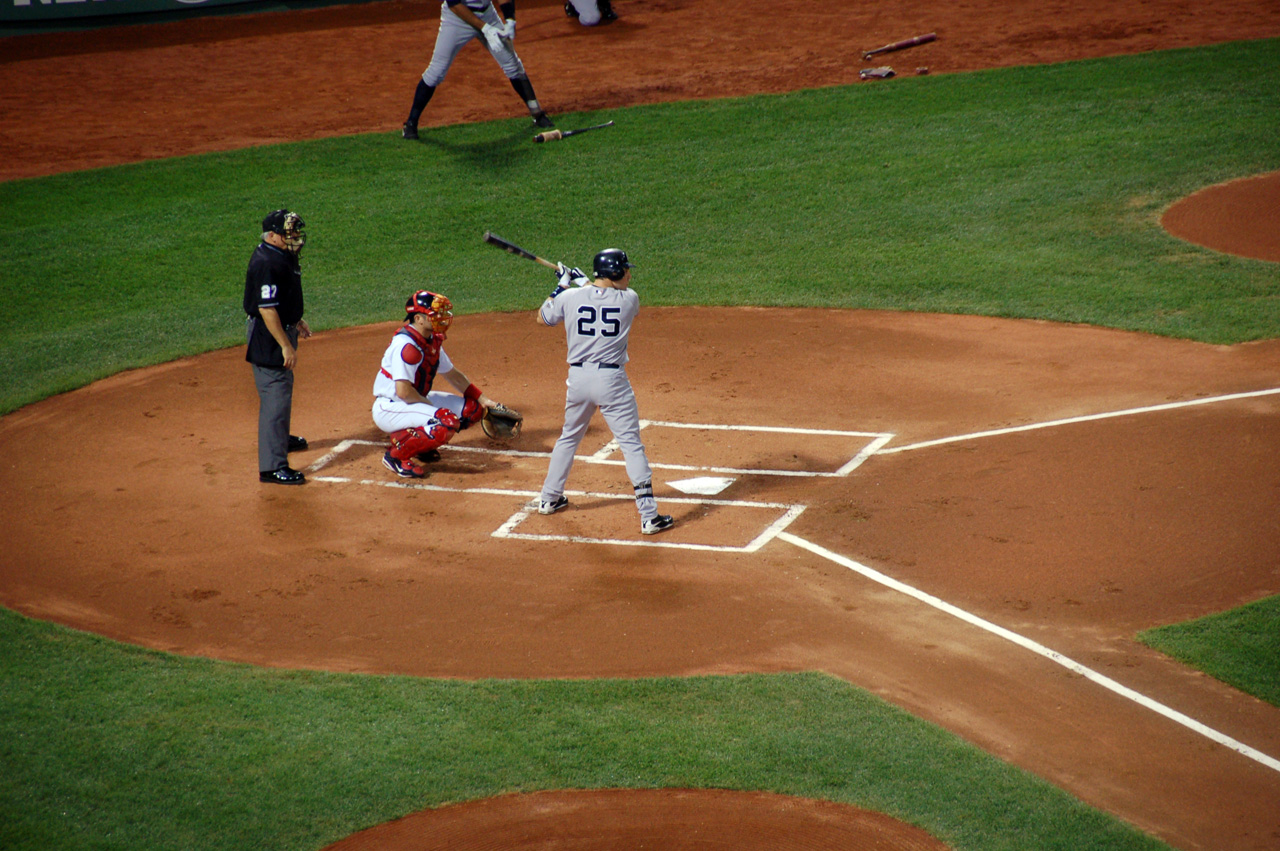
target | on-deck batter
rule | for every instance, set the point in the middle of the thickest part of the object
(461, 21)
(597, 317)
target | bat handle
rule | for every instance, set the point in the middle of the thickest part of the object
(549, 136)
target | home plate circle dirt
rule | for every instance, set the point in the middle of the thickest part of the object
(625, 820)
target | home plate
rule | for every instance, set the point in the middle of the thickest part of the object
(703, 485)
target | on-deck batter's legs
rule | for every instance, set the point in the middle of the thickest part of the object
(421, 96)
(525, 89)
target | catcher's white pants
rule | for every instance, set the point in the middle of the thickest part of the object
(593, 387)
(454, 35)
(392, 415)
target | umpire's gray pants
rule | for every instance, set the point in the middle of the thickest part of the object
(275, 403)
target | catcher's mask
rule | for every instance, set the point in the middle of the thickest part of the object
(612, 263)
(437, 309)
(288, 225)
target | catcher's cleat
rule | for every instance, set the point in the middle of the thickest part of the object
(285, 475)
(403, 469)
(431, 456)
(297, 444)
(409, 130)
(552, 507)
(543, 120)
(657, 524)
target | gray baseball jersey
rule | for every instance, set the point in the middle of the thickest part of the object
(597, 322)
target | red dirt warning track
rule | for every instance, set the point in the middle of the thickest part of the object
(1075, 536)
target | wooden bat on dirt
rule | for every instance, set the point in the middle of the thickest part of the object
(512, 248)
(902, 45)
(552, 135)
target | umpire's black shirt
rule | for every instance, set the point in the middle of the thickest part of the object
(274, 280)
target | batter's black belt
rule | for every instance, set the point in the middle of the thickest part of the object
(599, 365)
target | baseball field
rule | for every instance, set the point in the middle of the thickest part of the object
(962, 385)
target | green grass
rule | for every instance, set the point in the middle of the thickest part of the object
(1030, 192)
(1026, 192)
(1240, 647)
(109, 746)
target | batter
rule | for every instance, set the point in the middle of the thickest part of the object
(597, 317)
(461, 21)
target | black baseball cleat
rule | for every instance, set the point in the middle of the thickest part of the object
(403, 469)
(286, 475)
(657, 524)
(409, 130)
(555, 505)
(606, 11)
(297, 444)
(543, 120)
(431, 456)
(570, 11)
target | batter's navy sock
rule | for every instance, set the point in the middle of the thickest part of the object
(525, 89)
(421, 96)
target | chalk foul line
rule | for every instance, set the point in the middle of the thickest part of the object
(1169, 406)
(1035, 647)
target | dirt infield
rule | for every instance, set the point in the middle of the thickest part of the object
(1074, 535)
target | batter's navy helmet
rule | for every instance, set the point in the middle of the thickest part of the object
(612, 263)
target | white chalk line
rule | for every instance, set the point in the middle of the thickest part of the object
(1035, 647)
(1170, 406)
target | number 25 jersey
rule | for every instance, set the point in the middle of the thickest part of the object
(596, 321)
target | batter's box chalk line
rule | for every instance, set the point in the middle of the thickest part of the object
(870, 443)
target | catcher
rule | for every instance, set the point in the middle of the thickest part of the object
(418, 419)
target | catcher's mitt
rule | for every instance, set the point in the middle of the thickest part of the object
(501, 422)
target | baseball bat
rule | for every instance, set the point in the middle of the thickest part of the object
(902, 45)
(552, 135)
(512, 248)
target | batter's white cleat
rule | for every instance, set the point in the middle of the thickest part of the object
(658, 524)
(553, 507)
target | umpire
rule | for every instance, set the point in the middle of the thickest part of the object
(273, 302)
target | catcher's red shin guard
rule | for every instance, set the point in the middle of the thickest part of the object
(409, 442)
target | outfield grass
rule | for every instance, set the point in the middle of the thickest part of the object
(1022, 192)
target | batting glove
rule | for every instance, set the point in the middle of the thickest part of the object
(509, 28)
(493, 37)
(578, 278)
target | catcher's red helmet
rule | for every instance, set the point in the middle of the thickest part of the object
(437, 309)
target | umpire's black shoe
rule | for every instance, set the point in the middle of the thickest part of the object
(543, 120)
(297, 444)
(409, 130)
(286, 475)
